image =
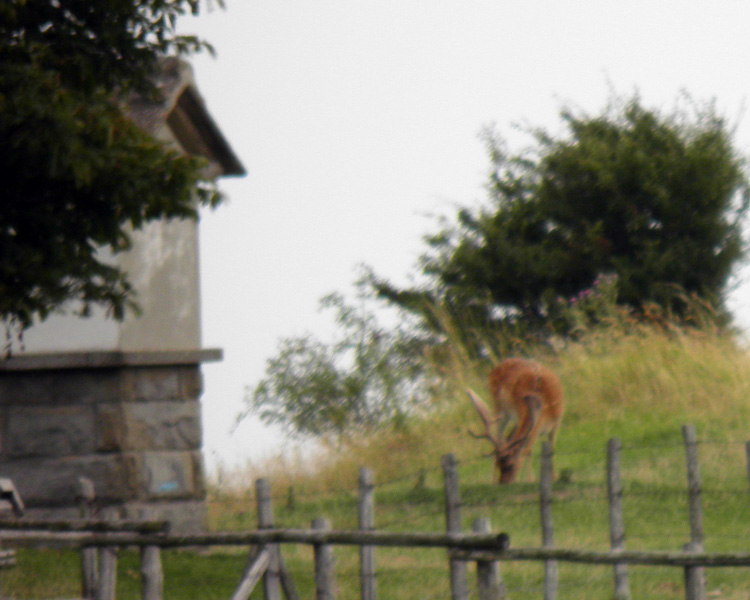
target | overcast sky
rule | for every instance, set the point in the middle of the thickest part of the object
(356, 120)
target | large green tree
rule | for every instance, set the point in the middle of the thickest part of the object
(76, 174)
(656, 199)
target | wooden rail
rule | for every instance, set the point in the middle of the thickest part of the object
(80, 539)
(630, 557)
(85, 525)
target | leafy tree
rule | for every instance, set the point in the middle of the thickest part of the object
(656, 199)
(77, 174)
(368, 375)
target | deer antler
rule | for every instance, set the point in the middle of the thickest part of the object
(487, 419)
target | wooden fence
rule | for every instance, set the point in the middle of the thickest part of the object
(99, 540)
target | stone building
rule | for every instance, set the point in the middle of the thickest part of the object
(119, 402)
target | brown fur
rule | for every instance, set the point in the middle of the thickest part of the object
(529, 394)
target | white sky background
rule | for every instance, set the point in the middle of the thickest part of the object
(356, 119)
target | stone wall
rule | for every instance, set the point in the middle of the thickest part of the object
(129, 422)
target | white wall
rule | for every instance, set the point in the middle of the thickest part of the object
(162, 266)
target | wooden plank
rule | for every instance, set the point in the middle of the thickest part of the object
(366, 506)
(548, 534)
(253, 572)
(271, 578)
(458, 579)
(324, 563)
(89, 556)
(695, 577)
(695, 581)
(152, 575)
(694, 484)
(107, 581)
(631, 557)
(616, 520)
(89, 572)
(465, 546)
(489, 583)
(106, 586)
(85, 524)
(264, 536)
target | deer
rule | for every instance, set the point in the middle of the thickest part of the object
(529, 394)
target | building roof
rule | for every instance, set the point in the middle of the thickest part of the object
(181, 109)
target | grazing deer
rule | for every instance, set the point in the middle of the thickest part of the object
(529, 394)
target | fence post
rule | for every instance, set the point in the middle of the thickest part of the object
(695, 577)
(89, 575)
(107, 568)
(489, 582)
(367, 523)
(152, 576)
(271, 580)
(324, 582)
(257, 564)
(616, 521)
(459, 583)
(548, 536)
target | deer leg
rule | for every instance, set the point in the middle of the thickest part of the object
(529, 424)
(526, 463)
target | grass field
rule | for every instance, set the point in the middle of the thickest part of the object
(640, 386)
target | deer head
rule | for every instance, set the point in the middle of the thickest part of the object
(508, 451)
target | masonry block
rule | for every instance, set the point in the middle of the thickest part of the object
(110, 430)
(191, 382)
(165, 425)
(54, 481)
(150, 384)
(168, 475)
(50, 431)
(58, 387)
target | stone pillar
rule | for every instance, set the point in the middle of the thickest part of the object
(130, 422)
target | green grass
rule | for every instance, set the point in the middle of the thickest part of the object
(640, 386)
